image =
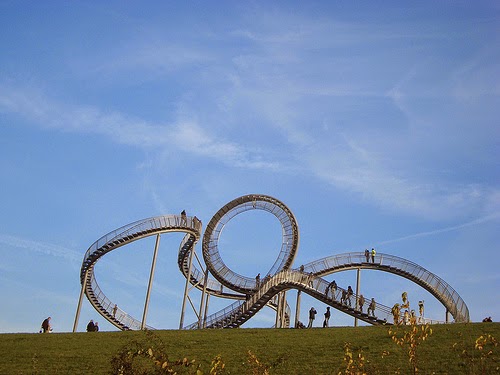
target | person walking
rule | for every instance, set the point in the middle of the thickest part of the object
(350, 292)
(312, 316)
(371, 307)
(343, 297)
(327, 317)
(361, 302)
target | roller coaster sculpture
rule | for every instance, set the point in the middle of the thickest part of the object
(251, 294)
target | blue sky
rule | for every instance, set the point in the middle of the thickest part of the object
(376, 124)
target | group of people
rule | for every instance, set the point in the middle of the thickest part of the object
(368, 253)
(92, 326)
(195, 223)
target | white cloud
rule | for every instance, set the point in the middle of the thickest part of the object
(186, 135)
(41, 247)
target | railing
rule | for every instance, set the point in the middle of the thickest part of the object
(119, 237)
(313, 285)
(143, 226)
(103, 304)
(211, 254)
(390, 263)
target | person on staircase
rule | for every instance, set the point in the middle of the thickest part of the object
(349, 295)
(361, 302)
(371, 307)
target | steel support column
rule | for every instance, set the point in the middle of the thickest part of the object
(186, 287)
(150, 284)
(79, 307)
(358, 276)
(297, 309)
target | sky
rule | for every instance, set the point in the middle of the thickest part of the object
(375, 123)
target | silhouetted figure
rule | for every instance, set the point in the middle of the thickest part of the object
(46, 328)
(327, 317)
(312, 316)
(367, 255)
(114, 310)
(257, 281)
(91, 326)
(183, 218)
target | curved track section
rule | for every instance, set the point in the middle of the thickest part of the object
(123, 236)
(443, 292)
(289, 246)
(241, 311)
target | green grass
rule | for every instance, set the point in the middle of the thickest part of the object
(292, 351)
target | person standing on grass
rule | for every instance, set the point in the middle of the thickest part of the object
(312, 316)
(327, 317)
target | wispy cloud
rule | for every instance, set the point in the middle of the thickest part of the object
(184, 135)
(471, 223)
(41, 248)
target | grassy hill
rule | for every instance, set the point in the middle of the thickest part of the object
(451, 349)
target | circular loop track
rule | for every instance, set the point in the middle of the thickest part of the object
(289, 246)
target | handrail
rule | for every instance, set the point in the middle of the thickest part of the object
(120, 237)
(402, 267)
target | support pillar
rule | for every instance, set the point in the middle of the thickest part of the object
(358, 277)
(181, 323)
(202, 301)
(297, 309)
(283, 310)
(79, 307)
(150, 284)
